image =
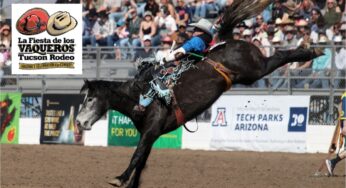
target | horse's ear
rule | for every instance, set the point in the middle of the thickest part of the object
(85, 86)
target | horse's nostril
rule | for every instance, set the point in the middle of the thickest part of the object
(78, 123)
(86, 123)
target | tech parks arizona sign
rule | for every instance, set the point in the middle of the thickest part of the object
(47, 39)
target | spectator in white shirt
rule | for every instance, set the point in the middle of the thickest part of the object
(340, 62)
(166, 22)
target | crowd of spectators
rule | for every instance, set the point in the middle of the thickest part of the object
(132, 27)
(5, 53)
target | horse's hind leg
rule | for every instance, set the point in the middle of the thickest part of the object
(280, 58)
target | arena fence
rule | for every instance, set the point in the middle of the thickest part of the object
(105, 63)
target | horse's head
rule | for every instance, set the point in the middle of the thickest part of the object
(94, 106)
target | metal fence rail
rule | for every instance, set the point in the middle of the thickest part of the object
(101, 63)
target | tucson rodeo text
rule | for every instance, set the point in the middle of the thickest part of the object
(37, 49)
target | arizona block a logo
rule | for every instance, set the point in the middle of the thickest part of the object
(220, 119)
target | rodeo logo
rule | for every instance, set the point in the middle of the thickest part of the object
(220, 119)
(45, 43)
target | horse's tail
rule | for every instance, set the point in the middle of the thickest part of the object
(239, 10)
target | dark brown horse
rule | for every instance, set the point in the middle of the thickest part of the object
(196, 91)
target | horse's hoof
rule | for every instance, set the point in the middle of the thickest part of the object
(116, 182)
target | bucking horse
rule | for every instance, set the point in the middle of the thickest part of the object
(234, 62)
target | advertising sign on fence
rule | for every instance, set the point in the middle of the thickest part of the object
(31, 106)
(47, 39)
(260, 123)
(122, 132)
(58, 119)
(9, 117)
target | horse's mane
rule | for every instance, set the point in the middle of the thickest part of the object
(239, 10)
(101, 85)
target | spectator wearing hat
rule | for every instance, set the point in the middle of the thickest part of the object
(332, 13)
(148, 26)
(165, 48)
(290, 37)
(320, 67)
(276, 41)
(270, 33)
(152, 7)
(301, 26)
(236, 34)
(242, 26)
(340, 62)
(103, 32)
(182, 13)
(247, 35)
(290, 7)
(280, 29)
(147, 50)
(5, 35)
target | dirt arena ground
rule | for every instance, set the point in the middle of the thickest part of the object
(36, 166)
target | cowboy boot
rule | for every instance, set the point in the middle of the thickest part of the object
(144, 101)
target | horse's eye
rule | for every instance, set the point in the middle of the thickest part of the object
(89, 99)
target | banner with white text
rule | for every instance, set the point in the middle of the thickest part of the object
(260, 123)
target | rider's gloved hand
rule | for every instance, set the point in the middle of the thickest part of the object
(163, 61)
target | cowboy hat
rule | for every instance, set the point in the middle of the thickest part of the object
(32, 22)
(146, 37)
(290, 6)
(236, 31)
(289, 28)
(247, 32)
(276, 39)
(147, 13)
(343, 27)
(167, 39)
(337, 39)
(60, 23)
(204, 25)
(323, 39)
(301, 23)
(286, 19)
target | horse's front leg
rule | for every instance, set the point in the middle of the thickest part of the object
(141, 153)
(134, 182)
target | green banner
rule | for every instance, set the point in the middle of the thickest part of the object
(10, 112)
(122, 132)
